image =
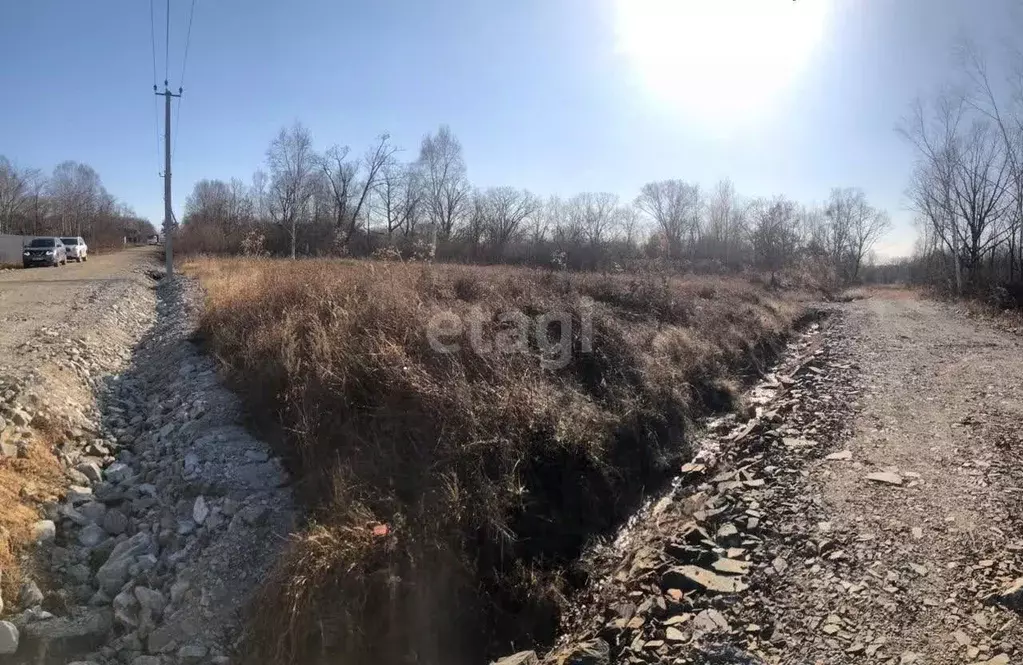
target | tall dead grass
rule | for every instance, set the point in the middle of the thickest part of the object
(449, 491)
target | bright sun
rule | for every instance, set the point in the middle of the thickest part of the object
(719, 62)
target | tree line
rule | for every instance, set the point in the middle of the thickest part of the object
(967, 185)
(70, 201)
(337, 202)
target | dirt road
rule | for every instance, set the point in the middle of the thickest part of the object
(65, 298)
(942, 408)
(871, 511)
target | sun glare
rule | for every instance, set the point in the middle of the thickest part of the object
(719, 62)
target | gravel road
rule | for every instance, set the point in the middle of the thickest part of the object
(871, 511)
(38, 298)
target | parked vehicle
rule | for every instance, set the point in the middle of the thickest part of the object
(44, 252)
(76, 248)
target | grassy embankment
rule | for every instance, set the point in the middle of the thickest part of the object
(450, 492)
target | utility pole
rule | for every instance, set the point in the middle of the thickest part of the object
(168, 212)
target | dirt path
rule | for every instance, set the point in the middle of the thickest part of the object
(778, 548)
(942, 408)
(38, 298)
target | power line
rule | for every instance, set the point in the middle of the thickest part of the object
(156, 106)
(181, 81)
(152, 36)
(188, 42)
(166, 56)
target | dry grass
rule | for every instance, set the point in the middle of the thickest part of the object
(25, 484)
(490, 470)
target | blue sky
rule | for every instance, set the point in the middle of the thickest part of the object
(557, 96)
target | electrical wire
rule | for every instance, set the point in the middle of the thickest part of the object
(166, 55)
(181, 81)
(156, 105)
(188, 42)
(152, 36)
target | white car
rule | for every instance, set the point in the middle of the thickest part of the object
(76, 249)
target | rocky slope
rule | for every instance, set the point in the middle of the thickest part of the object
(171, 511)
(868, 511)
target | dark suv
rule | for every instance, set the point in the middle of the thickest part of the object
(44, 252)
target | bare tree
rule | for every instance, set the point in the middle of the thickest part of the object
(867, 230)
(209, 203)
(774, 233)
(258, 194)
(506, 209)
(936, 141)
(725, 228)
(74, 189)
(477, 215)
(594, 215)
(14, 193)
(1007, 119)
(352, 182)
(674, 206)
(566, 221)
(392, 178)
(291, 162)
(629, 224)
(545, 219)
(241, 209)
(443, 167)
(962, 183)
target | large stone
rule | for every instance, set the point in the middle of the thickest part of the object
(93, 511)
(90, 470)
(710, 621)
(731, 566)
(150, 600)
(886, 477)
(118, 472)
(114, 573)
(30, 595)
(520, 658)
(178, 590)
(126, 609)
(92, 535)
(690, 577)
(8, 450)
(191, 654)
(58, 639)
(44, 531)
(78, 494)
(67, 511)
(200, 511)
(20, 418)
(8, 638)
(115, 522)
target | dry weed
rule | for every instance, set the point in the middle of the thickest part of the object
(490, 470)
(25, 484)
